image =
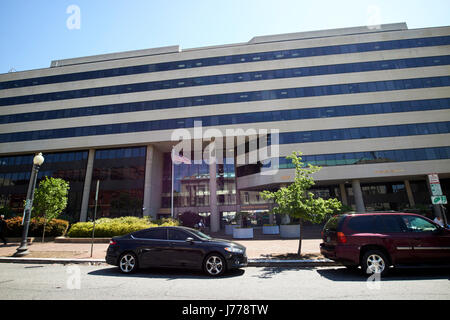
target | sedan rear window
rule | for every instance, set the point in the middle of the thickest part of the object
(153, 233)
(177, 235)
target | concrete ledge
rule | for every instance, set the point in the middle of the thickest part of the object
(291, 263)
(17, 239)
(251, 262)
(81, 240)
(48, 260)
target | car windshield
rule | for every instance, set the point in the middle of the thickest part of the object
(201, 235)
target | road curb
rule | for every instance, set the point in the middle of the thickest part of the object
(292, 263)
(251, 262)
(50, 260)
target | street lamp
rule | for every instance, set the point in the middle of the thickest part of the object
(22, 250)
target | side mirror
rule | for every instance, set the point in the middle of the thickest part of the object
(191, 240)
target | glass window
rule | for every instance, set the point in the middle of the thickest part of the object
(417, 224)
(361, 224)
(158, 233)
(180, 235)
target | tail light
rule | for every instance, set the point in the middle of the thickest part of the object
(321, 234)
(341, 237)
(112, 242)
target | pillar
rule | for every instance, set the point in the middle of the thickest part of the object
(409, 193)
(147, 182)
(152, 182)
(87, 186)
(343, 194)
(215, 218)
(357, 193)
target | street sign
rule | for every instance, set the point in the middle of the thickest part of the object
(438, 199)
(433, 178)
(436, 189)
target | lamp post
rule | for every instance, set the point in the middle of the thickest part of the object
(22, 250)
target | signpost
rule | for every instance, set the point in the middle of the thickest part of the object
(436, 189)
(95, 217)
(437, 198)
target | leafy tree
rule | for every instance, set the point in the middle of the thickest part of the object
(50, 199)
(296, 201)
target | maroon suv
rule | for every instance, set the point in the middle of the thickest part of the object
(376, 241)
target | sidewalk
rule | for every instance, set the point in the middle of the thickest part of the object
(262, 250)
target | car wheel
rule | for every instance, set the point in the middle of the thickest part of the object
(374, 261)
(128, 263)
(214, 265)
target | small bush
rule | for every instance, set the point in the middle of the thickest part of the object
(54, 228)
(167, 222)
(110, 227)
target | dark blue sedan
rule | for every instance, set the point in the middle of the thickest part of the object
(175, 247)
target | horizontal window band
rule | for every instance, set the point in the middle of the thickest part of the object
(349, 158)
(269, 116)
(257, 116)
(399, 130)
(264, 95)
(404, 248)
(232, 59)
(229, 78)
(365, 132)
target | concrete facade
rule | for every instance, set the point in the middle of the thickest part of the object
(159, 142)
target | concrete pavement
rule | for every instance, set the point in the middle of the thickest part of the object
(262, 250)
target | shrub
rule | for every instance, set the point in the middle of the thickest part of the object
(167, 222)
(110, 227)
(54, 228)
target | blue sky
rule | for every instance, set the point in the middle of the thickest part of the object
(32, 33)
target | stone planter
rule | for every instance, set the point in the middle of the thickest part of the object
(290, 231)
(271, 229)
(229, 228)
(242, 233)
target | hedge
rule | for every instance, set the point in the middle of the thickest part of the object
(110, 227)
(54, 228)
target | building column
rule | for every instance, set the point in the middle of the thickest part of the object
(343, 194)
(412, 203)
(153, 182)
(357, 194)
(215, 218)
(87, 186)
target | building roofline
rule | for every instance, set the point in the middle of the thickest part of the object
(254, 40)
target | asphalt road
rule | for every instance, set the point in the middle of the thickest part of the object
(91, 282)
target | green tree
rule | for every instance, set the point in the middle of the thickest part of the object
(50, 199)
(296, 201)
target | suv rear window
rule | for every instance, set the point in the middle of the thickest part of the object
(333, 223)
(362, 224)
(389, 224)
